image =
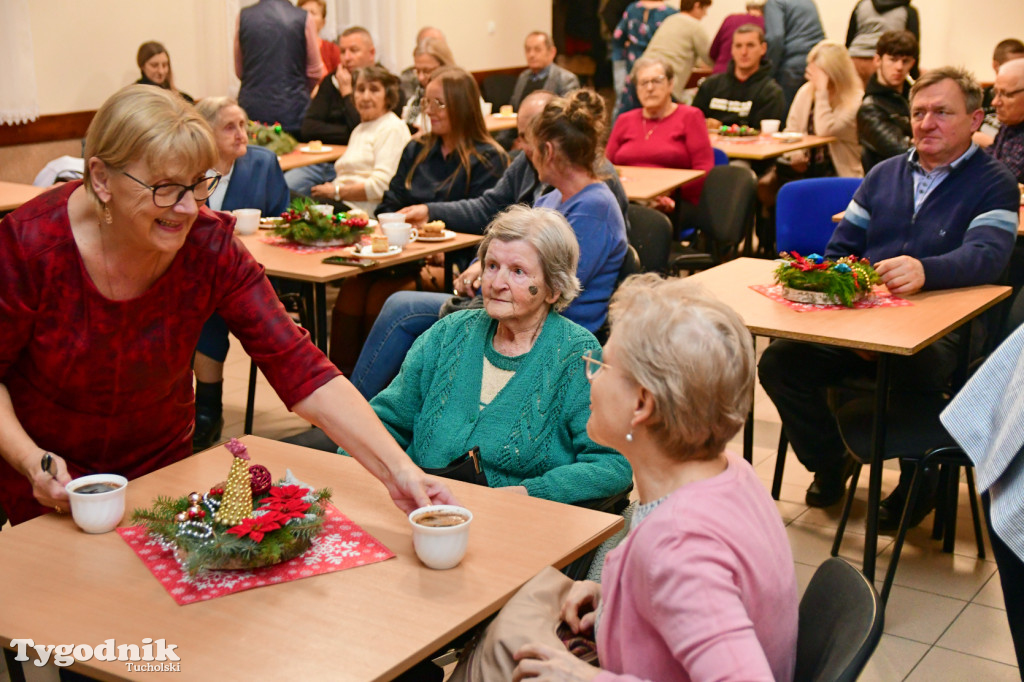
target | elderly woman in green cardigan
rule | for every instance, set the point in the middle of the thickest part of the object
(509, 378)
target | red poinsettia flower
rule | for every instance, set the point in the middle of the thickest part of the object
(257, 528)
(285, 492)
(291, 508)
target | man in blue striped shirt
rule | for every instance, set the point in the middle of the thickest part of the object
(941, 216)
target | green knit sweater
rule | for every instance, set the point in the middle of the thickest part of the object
(533, 433)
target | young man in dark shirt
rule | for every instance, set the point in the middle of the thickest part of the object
(883, 120)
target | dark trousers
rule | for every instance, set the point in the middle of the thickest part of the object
(1011, 578)
(797, 376)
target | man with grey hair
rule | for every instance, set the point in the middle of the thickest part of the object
(542, 73)
(1008, 100)
(941, 216)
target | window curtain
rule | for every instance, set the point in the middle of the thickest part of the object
(19, 101)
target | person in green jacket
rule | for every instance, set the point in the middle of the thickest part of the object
(509, 378)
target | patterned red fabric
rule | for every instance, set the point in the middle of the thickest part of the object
(341, 544)
(879, 298)
(108, 384)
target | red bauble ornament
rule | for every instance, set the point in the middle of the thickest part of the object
(259, 479)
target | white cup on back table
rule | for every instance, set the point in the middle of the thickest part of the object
(770, 126)
(247, 220)
(385, 218)
(399, 234)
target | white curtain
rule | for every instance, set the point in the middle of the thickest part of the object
(19, 102)
(390, 22)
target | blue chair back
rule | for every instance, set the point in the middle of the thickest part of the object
(721, 158)
(804, 210)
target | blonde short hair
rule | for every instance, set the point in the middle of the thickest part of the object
(151, 125)
(549, 233)
(834, 60)
(692, 353)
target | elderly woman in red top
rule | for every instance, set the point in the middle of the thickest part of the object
(106, 285)
(663, 134)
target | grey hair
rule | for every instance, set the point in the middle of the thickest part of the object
(549, 233)
(210, 107)
(692, 353)
(963, 79)
(653, 60)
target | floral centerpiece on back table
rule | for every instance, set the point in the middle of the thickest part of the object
(819, 280)
(273, 137)
(305, 224)
(245, 523)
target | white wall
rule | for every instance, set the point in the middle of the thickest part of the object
(85, 50)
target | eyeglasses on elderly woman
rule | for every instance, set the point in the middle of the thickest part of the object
(592, 360)
(165, 196)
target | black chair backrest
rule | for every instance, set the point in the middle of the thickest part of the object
(651, 236)
(726, 209)
(841, 619)
(497, 89)
(630, 264)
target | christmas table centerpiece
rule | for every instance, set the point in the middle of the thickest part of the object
(273, 137)
(247, 522)
(306, 223)
(823, 281)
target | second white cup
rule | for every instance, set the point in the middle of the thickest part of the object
(770, 126)
(247, 220)
(399, 234)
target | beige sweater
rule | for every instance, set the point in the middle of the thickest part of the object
(839, 123)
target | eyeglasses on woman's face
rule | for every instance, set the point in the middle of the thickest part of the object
(165, 196)
(433, 104)
(592, 360)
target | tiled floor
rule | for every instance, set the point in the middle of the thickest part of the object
(945, 619)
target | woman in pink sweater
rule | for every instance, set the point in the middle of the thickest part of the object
(703, 585)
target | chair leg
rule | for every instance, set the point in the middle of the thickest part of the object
(941, 493)
(251, 398)
(901, 535)
(846, 508)
(972, 493)
(952, 488)
(780, 464)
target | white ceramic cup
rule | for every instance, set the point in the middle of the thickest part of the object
(770, 126)
(486, 108)
(323, 209)
(399, 234)
(385, 218)
(247, 220)
(97, 512)
(440, 547)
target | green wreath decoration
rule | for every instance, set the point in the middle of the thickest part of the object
(846, 280)
(301, 223)
(272, 137)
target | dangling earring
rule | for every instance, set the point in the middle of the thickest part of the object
(107, 218)
(629, 436)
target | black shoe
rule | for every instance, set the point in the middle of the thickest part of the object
(829, 486)
(891, 508)
(207, 433)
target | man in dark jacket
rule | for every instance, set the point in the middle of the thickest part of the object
(745, 94)
(883, 120)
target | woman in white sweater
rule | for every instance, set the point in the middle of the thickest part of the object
(827, 105)
(375, 147)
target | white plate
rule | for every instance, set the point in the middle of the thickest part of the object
(501, 115)
(448, 234)
(366, 252)
(307, 150)
(323, 242)
(788, 137)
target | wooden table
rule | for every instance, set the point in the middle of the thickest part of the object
(887, 331)
(496, 122)
(764, 147)
(309, 269)
(59, 585)
(297, 158)
(14, 194)
(642, 183)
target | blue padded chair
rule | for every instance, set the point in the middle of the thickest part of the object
(804, 210)
(721, 158)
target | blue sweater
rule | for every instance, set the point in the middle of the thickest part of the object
(962, 234)
(596, 219)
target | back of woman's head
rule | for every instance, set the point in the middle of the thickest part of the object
(692, 353)
(151, 125)
(210, 107)
(835, 61)
(574, 125)
(438, 49)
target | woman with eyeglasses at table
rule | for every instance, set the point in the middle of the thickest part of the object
(107, 283)
(702, 586)
(663, 134)
(457, 159)
(155, 67)
(428, 56)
